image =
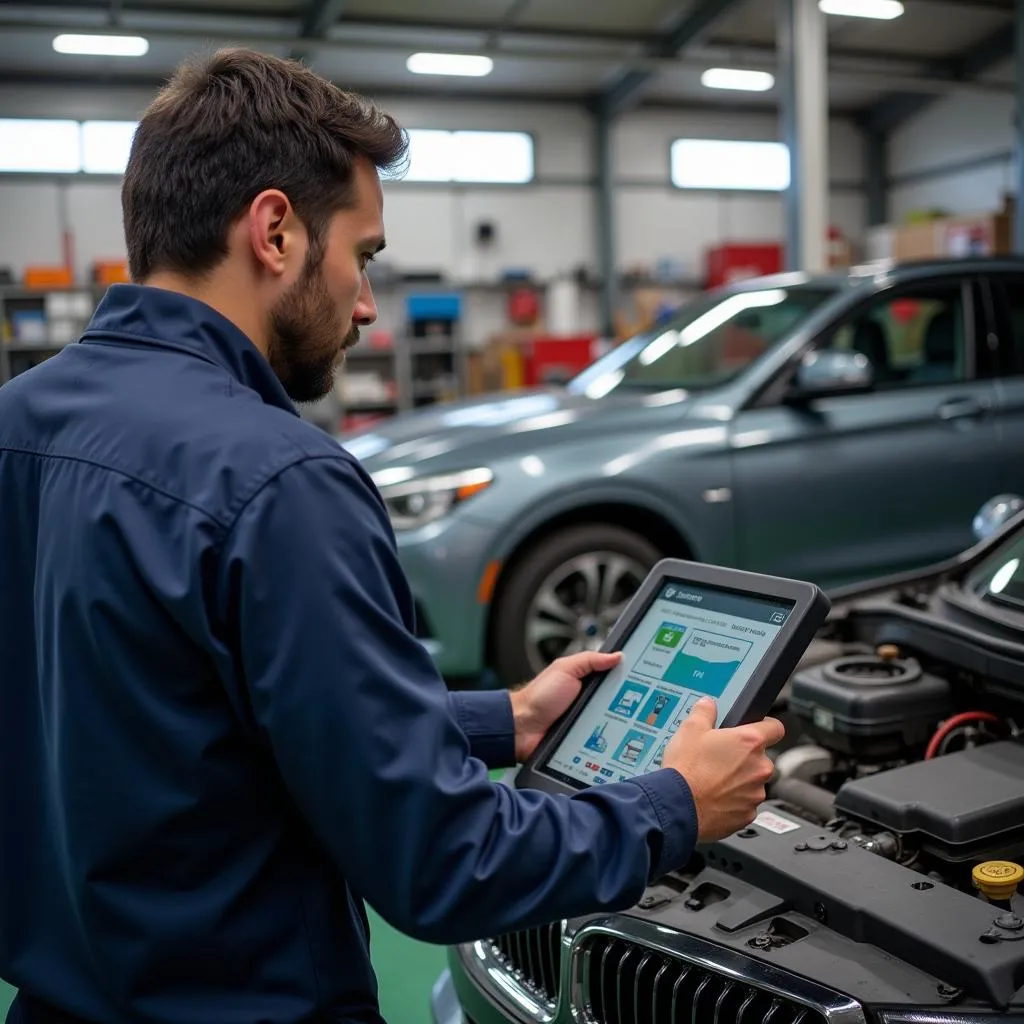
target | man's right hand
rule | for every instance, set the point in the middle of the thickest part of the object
(726, 769)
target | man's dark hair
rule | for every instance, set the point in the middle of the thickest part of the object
(231, 126)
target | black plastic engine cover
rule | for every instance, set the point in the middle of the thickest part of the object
(958, 807)
(872, 709)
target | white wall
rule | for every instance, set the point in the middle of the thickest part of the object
(657, 220)
(956, 156)
(546, 228)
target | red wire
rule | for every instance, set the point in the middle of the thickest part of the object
(952, 723)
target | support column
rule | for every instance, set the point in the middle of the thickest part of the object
(1018, 231)
(605, 208)
(876, 176)
(803, 64)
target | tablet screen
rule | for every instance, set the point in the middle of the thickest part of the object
(693, 641)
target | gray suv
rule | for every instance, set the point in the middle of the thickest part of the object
(830, 428)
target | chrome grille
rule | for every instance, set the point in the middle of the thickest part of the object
(623, 982)
(535, 957)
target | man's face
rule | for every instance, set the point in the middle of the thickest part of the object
(320, 314)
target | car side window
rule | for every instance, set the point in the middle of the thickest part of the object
(912, 338)
(1009, 291)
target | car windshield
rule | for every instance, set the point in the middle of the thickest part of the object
(711, 341)
(1000, 578)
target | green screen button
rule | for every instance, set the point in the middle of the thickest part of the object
(669, 636)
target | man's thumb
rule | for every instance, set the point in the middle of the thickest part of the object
(703, 714)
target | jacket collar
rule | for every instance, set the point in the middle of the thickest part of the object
(164, 319)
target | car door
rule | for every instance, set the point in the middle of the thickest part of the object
(1004, 293)
(848, 487)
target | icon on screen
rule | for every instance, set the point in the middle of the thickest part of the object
(633, 749)
(598, 741)
(658, 709)
(671, 592)
(659, 755)
(778, 618)
(669, 635)
(627, 700)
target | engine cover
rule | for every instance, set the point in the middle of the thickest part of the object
(960, 807)
(871, 708)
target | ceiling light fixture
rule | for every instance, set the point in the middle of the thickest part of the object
(464, 64)
(881, 10)
(102, 45)
(737, 78)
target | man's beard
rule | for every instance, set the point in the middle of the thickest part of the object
(305, 331)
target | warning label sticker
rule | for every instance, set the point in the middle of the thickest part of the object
(775, 823)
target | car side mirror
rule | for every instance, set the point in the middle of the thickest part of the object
(995, 514)
(829, 372)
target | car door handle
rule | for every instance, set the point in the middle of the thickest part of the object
(962, 409)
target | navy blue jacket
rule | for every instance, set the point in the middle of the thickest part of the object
(218, 732)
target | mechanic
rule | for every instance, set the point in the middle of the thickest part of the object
(219, 734)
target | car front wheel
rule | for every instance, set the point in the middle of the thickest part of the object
(564, 595)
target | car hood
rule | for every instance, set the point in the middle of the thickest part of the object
(454, 434)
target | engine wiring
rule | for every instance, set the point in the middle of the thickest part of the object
(938, 743)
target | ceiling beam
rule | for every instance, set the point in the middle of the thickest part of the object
(319, 16)
(508, 19)
(896, 108)
(623, 93)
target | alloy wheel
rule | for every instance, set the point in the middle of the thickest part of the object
(578, 603)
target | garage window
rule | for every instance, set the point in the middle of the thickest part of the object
(106, 146)
(30, 146)
(481, 157)
(730, 164)
(50, 146)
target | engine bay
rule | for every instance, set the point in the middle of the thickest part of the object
(897, 805)
(906, 762)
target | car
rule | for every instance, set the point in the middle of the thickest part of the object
(831, 428)
(878, 883)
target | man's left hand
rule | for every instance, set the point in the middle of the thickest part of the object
(539, 704)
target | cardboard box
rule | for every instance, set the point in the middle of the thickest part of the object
(985, 234)
(916, 242)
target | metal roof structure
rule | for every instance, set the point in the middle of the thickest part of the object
(607, 53)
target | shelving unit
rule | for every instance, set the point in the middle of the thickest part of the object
(416, 370)
(37, 323)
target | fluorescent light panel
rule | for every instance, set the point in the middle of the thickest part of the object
(466, 65)
(881, 10)
(738, 79)
(101, 45)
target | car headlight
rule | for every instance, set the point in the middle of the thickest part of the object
(415, 503)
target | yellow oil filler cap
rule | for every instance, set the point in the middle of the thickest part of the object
(998, 879)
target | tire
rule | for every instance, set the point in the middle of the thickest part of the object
(553, 602)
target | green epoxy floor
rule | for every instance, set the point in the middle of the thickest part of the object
(406, 970)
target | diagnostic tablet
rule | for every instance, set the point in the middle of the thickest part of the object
(691, 631)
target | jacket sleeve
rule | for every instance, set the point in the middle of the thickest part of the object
(486, 718)
(360, 726)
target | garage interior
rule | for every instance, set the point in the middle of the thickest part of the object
(579, 170)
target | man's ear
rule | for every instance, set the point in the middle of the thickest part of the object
(275, 233)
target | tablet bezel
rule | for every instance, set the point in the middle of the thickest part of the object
(810, 609)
